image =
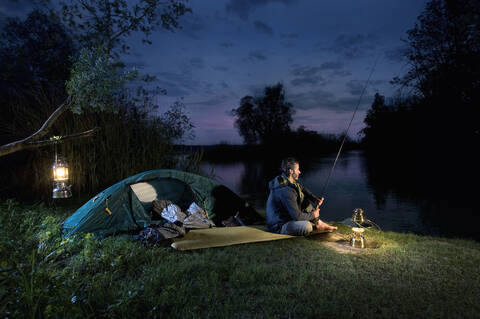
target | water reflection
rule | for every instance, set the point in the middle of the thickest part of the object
(387, 194)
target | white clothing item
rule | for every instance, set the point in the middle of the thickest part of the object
(173, 213)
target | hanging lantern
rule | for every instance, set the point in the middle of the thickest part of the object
(60, 177)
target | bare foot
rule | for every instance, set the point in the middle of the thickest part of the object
(324, 226)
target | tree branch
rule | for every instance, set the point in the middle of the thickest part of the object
(25, 144)
(48, 123)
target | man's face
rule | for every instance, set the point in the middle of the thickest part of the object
(295, 172)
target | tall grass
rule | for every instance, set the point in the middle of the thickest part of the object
(135, 139)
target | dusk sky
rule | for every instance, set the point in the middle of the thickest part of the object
(322, 51)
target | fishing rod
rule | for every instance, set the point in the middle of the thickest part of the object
(348, 127)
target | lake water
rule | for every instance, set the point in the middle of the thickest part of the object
(356, 184)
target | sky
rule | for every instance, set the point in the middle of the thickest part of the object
(322, 51)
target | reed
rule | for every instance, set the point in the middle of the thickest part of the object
(135, 139)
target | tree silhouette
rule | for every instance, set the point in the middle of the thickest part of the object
(443, 54)
(264, 118)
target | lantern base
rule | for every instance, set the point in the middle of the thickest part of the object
(60, 190)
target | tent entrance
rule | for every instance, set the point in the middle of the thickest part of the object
(175, 190)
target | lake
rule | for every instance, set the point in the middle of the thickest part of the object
(393, 202)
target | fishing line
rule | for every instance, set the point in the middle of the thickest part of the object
(348, 127)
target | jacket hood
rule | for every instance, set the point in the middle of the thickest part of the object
(278, 182)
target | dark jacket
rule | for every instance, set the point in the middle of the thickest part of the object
(285, 203)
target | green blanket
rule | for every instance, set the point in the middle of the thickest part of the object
(225, 236)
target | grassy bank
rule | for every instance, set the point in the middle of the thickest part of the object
(43, 275)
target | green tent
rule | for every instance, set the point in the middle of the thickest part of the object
(125, 206)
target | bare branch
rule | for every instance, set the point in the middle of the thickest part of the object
(24, 144)
(48, 123)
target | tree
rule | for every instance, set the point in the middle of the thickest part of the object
(111, 21)
(35, 55)
(96, 76)
(262, 119)
(94, 81)
(390, 127)
(443, 54)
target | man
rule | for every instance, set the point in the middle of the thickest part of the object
(288, 206)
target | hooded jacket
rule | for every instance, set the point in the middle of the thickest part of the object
(285, 203)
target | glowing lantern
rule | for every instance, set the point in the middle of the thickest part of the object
(357, 239)
(60, 177)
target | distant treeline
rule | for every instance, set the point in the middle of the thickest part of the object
(299, 143)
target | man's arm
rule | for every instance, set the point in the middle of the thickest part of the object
(288, 198)
(309, 195)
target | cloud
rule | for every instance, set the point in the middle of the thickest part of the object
(341, 73)
(306, 75)
(192, 25)
(197, 63)
(221, 68)
(323, 99)
(355, 87)
(331, 65)
(213, 101)
(224, 85)
(262, 27)
(243, 8)
(178, 84)
(396, 54)
(226, 45)
(256, 56)
(289, 36)
(312, 99)
(351, 46)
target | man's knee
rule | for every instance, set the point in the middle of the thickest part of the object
(297, 228)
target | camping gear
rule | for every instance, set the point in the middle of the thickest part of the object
(126, 205)
(173, 214)
(227, 236)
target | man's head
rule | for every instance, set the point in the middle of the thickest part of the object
(291, 168)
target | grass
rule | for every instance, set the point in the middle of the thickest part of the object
(43, 275)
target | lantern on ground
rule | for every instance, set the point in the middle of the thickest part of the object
(360, 224)
(357, 239)
(358, 217)
(61, 189)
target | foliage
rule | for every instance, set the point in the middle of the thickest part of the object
(134, 139)
(438, 118)
(443, 50)
(45, 275)
(390, 127)
(264, 118)
(110, 22)
(35, 55)
(95, 81)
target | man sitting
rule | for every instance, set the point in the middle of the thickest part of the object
(288, 211)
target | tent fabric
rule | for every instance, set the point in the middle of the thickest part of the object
(125, 206)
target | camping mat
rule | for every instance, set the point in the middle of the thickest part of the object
(225, 236)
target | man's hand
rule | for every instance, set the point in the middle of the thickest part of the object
(320, 201)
